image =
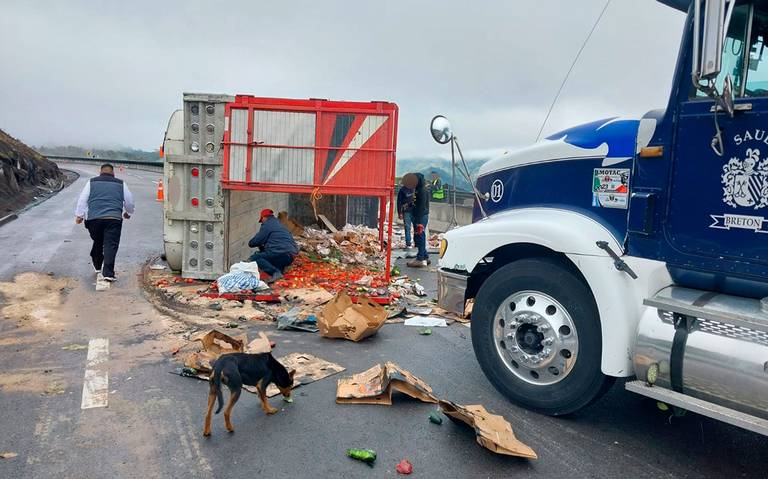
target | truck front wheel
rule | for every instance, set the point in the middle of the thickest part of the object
(536, 334)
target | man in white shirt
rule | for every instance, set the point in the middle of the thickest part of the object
(103, 203)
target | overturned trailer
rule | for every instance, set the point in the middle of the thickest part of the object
(228, 157)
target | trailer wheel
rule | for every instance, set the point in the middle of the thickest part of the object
(536, 333)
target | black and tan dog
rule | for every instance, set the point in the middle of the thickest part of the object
(236, 370)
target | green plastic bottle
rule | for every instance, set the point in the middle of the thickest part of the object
(368, 456)
(435, 419)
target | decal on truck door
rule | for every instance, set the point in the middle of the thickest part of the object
(745, 185)
(610, 187)
(744, 181)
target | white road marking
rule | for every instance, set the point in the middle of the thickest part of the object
(96, 384)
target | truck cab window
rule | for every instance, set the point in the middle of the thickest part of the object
(733, 51)
(757, 58)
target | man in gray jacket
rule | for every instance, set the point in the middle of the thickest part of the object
(103, 204)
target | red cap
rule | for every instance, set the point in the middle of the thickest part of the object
(265, 213)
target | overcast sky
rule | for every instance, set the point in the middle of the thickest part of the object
(110, 73)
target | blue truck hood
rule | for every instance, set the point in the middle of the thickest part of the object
(613, 140)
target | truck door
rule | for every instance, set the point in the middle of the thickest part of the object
(719, 203)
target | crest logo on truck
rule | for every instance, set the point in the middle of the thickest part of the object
(745, 182)
(497, 191)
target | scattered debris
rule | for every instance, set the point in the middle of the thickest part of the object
(157, 267)
(308, 296)
(468, 306)
(418, 310)
(404, 467)
(262, 344)
(74, 347)
(367, 456)
(493, 432)
(214, 344)
(435, 418)
(7, 455)
(215, 306)
(242, 277)
(328, 224)
(232, 325)
(403, 286)
(187, 372)
(375, 386)
(298, 320)
(199, 363)
(426, 322)
(308, 369)
(54, 389)
(341, 318)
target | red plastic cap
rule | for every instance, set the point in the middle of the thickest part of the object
(195, 202)
(195, 172)
(265, 213)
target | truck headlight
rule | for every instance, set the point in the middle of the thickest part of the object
(443, 246)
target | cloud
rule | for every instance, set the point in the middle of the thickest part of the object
(76, 72)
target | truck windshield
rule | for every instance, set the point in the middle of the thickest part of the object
(757, 66)
(745, 57)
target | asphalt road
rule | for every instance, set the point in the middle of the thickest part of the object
(153, 424)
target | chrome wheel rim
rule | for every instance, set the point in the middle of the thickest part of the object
(535, 337)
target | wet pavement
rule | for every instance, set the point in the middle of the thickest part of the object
(152, 426)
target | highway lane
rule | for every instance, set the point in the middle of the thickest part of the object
(152, 426)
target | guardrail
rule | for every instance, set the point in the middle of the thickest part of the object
(132, 164)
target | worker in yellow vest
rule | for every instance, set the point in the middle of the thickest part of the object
(436, 188)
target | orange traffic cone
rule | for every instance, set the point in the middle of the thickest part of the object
(160, 191)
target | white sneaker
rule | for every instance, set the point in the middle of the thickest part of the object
(110, 279)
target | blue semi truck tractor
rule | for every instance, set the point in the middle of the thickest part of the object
(633, 247)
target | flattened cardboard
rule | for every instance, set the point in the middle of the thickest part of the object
(214, 344)
(309, 296)
(259, 345)
(493, 432)
(375, 386)
(309, 368)
(341, 318)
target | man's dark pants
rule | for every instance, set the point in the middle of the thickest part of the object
(272, 262)
(421, 240)
(105, 233)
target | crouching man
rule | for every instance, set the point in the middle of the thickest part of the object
(277, 248)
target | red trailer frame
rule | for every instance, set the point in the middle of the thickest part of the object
(315, 147)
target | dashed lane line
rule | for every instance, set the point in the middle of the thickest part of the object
(96, 384)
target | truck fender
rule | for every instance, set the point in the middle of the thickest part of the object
(619, 298)
(619, 301)
(559, 230)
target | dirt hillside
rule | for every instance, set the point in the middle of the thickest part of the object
(24, 175)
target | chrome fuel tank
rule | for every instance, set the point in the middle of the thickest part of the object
(723, 360)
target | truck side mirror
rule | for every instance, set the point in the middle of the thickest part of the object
(708, 45)
(441, 129)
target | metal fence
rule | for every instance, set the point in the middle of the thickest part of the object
(132, 164)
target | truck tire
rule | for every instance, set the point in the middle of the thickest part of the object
(536, 334)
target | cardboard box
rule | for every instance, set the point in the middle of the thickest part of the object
(493, 432)
(341, 318)
(375, 386)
